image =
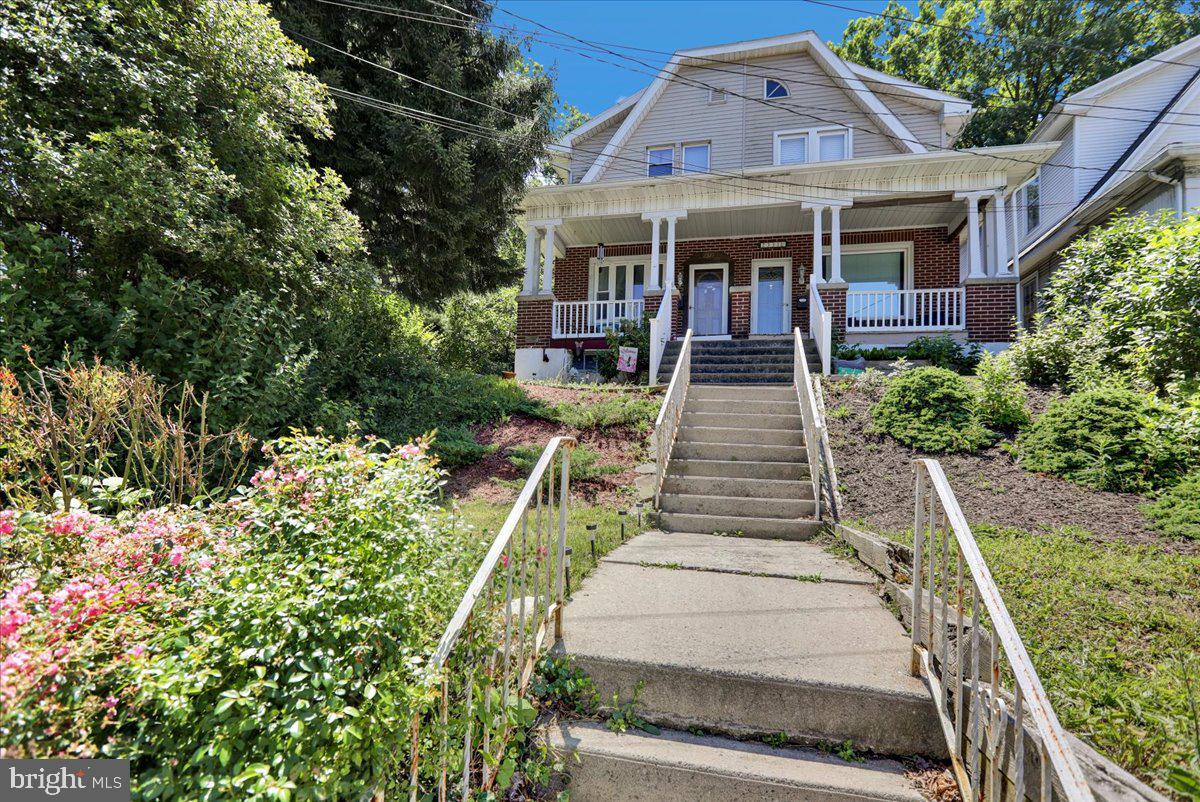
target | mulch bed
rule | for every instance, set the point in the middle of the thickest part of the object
(876, 477)
(494, 478)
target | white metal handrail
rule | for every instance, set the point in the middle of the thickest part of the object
(934, 309)
(820, 325)
(592, 318)
(669, 414)
(978, 714)
(814, 423)
(660, 333)
(488, 651)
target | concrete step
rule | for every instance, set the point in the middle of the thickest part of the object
(740, 655)
(637, 767)
(743, 488)
(749, 556)
(740, 406)
(708, 368)
(742, 393)
(726, 419)
(777, 379)
(741, 526)
(734, 452)
(740, 435)
(750, 508)
(783, 358)
(726, 469)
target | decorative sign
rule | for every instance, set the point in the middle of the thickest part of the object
(627, 359)
(772, 245)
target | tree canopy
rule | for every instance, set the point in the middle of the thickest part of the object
(1015, 58)
(435, 195)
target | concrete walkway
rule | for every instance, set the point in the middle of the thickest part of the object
(743, 638)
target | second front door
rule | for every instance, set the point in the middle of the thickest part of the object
(708, 291)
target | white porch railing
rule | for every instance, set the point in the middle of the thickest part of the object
(820, 325)
(967, 649)
(660, 333)
(669, 414)
(592, 318)
(939, 309)
(487, 654)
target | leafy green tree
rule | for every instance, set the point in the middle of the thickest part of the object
(435, 197)
(1015, 58)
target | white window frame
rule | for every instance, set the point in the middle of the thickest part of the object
(659, 148)
(786, 264)
(683, 157)
(812, 144)
(612, 265)
(906, 246)
(1022, 205)
(787, 91)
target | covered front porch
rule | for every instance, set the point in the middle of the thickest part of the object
(870, 260)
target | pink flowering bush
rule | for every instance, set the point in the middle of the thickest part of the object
(272, 646)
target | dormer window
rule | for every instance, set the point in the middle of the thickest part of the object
(774, 90)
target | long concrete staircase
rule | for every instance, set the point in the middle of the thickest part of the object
(759, 654)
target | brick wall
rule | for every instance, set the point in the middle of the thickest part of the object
(739, 313)
(533, 321)
(935, 265)
(834, 299)
(991, 312)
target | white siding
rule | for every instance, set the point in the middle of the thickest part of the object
(1155, 203)
(1059, 188)
(742, 131)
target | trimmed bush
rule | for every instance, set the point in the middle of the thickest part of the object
(1002, 394)
(932, 410)
(1109, 438)
(943, 351)
(1176, 512)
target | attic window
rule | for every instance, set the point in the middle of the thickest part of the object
(774, 90)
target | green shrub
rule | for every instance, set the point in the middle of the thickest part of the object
(944, 351)
(1002, 394)
(479, 330)
(932, 410)
(630, 334)
(585, 463)
(1123, 302)
(621, 410)
(1176, 511)
(1108, 438)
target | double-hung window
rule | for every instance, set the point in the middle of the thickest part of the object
(812, 145)
(660, 161)
(695, 157)
(1029, 199)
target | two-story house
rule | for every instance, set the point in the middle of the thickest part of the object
(1128, 143)
(761, 185)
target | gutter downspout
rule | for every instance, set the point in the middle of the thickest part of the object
(1176, 184)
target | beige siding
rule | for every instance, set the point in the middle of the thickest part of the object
(742, 131)
(586, 149)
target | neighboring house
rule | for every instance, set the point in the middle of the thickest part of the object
(1130, 142)
(705, 200)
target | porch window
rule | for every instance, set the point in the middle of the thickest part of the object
(619, 281)
(867, 271)
(695, 158)
(659, 161)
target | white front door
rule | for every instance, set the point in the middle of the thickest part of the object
(772, 294)
(708, 291)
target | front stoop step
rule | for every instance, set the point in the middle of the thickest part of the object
(750, 654)
(637, 767)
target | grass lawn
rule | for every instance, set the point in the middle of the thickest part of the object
(488, 517)
(1114, 632)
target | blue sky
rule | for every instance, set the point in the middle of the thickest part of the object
(664, 25)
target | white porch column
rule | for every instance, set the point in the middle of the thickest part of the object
(835, 244)
(548, 258)
(974, 257)
(529, 287)
(1001, 235)
(818, 250)
(1016, 239)
(672, 218)
(654, 280)
(990, 261)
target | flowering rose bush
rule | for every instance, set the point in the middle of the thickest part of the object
(269, 647)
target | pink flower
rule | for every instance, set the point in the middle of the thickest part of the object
(136, 651)
(409, 451)
(111, 703)
(177, 555)
(6, 522)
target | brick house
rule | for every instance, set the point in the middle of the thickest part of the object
(705, 200)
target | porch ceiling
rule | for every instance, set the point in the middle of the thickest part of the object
(914, 212)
